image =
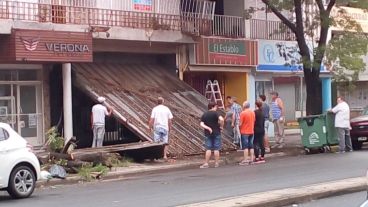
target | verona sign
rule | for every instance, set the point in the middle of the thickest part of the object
(52, 46)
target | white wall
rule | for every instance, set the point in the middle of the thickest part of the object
(261, 14)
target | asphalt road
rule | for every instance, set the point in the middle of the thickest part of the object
(195, 185)
(348, 200)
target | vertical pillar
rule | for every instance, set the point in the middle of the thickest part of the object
(326, 94)
(67, 100)
(301, 97)
(251, 90)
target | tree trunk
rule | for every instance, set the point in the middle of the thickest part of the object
(314, 92)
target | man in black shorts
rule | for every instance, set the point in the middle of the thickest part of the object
(212, 123)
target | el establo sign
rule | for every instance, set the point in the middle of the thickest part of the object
(226, 51)
(52, 46)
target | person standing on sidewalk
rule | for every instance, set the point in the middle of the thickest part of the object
(259, 134)
(236, 110)
(246, 124)
(342, 124)
(212, 123)
(278, 119)
(99, 112)
(161, 122)
(266, 114)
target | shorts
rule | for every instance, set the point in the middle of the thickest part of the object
(247, 141)
(266, 125)
(213, 142)
(161, 134)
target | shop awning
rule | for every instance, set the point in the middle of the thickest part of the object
(211, 68)
(133, 89)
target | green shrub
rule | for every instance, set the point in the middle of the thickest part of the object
(89, 172)
(54, 140)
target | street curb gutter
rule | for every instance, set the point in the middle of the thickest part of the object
(288, 196)
(119, 174)
(130, 172)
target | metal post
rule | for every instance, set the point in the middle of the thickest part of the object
(67, 101)
(301, 96)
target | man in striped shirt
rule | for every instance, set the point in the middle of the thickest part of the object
(278, 119)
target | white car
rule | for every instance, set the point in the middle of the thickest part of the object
(19, 166)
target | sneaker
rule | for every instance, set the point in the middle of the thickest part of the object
(205, 165)
(262, 160)
(245, 162)
(217, 165)
(340, 152)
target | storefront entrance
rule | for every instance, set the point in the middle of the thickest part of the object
(21, 103)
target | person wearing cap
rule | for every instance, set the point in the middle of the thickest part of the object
(278, 119)
(160, 122)
(99, 111)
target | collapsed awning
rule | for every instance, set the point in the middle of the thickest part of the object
(132, 89)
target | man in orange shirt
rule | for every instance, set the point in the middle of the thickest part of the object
(246, 125)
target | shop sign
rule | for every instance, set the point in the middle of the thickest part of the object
(279, 56)
(228, 51)
(52, 46)
(224, 51)
(143, 5)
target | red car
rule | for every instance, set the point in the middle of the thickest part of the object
(359, 129)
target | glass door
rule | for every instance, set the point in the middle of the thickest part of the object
(29, 114)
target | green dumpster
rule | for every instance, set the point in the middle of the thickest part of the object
(313, 132)
(332, 138)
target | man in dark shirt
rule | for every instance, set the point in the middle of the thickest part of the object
(212, 123)
(259, 131)
(266, 114)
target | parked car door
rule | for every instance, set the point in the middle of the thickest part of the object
(4, 135)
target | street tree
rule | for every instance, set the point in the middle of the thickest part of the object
(311, 21)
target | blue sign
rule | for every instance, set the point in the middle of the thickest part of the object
(280, 56)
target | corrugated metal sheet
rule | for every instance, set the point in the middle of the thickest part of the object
(133, 89)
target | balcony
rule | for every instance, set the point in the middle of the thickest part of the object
(270, 30)
(192, 23)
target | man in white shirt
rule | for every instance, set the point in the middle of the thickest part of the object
(342, 124)
(99, 112)
(160, 122)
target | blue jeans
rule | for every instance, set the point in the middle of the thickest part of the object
(247, 141)
(213, 142)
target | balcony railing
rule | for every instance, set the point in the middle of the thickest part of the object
(228, 26)
(87, 16)
(271, 30)
(188, 22)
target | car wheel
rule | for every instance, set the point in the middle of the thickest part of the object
(22, 182)
(357, 145)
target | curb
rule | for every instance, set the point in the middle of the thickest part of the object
(121, 173)
(288, 196)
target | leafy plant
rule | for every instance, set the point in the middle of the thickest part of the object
(119, 162)
(89, 172)
(54, 140)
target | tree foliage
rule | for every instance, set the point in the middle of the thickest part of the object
(311, 21)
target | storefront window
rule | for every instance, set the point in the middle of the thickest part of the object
(27, 75)
(21, 103)
(264, 88)
(5, 75)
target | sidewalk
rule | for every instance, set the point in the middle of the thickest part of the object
(292, 147)
(289, 196)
